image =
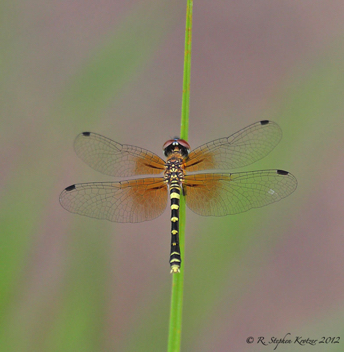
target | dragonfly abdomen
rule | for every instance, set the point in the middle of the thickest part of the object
(175, 257)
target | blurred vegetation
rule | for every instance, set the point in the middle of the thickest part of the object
(65, 299)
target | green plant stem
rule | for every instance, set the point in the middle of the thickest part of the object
(175, 329)
(184, 128)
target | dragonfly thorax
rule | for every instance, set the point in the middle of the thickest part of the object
(174, 169)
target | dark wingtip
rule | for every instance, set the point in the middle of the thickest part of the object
(86, 134)
(282, 172)
(264, 122)
(70, 188)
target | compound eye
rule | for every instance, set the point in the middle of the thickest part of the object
(168, 143)
(184, 143)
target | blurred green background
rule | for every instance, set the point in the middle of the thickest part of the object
(71, 283)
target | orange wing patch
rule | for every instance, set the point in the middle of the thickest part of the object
(240, 149)
(115, 159)
(224, 194)
(126, 201)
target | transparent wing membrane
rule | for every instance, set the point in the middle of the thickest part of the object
(206, 194)
(240, 149)
(126, 201)
(225, 194)
(115, 159)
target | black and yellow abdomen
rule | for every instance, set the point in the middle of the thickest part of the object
(175, 257)
(174, 177)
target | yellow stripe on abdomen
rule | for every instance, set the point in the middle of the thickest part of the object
(175, 195)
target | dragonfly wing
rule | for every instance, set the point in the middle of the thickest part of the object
(224, 194)
(115, 159)
(240, 149)
(126, 201)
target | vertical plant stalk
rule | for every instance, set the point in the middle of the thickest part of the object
(175, 328)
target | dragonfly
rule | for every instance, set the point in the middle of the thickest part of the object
(206, 193)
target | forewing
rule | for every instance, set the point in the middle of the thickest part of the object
(126, 201)
(240, 149)
(224, 194)
(115, 159)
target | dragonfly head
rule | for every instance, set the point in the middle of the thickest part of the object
(176, 144)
